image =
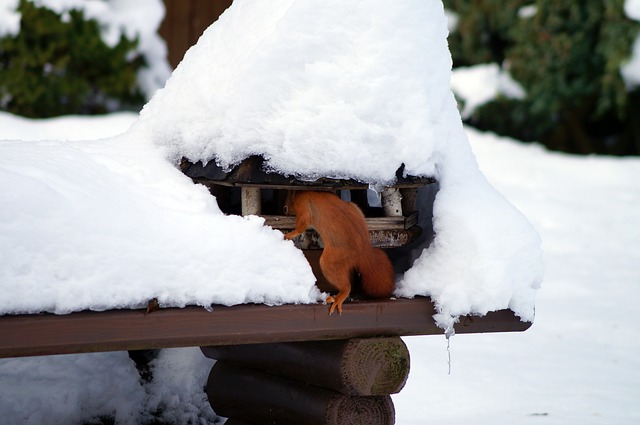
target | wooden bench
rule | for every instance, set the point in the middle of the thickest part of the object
(246, 383)
(289, 364)
(90, 331)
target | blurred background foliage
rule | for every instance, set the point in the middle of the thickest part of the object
(59, 65)
(567, 57)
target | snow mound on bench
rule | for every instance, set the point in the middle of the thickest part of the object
(319, 88)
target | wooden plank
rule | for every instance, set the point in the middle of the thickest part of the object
(184, 22)
(45, 334)
(202, 15)
(251, 172)
(394, 238)
(288, 222)
(175, 28)
(383, 234)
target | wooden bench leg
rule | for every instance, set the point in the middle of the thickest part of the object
(261, 398)
(323, 382)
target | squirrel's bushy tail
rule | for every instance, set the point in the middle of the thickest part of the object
(376, 274)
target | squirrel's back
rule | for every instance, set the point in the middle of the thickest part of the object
(339, 223)
(347, 245)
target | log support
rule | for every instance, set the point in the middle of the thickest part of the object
(392, 202)
(251, 200)
(321, 382)
(409, 200)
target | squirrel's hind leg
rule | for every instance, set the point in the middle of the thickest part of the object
(338, 272)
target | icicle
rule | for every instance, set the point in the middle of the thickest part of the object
(448, 334)
(449, 354)
(374, 195)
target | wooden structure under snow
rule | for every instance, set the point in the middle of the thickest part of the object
(286, 364)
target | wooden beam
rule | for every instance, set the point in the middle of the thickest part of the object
(257, 397)
(385, 232)
(251, 201)
(288, 222)
(251, 172)
(46, 334)
(356, 366)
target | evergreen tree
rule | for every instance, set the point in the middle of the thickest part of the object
(57, 66)
(567, 56)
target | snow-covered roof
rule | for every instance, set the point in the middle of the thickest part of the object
(318, 88)
(330, 89)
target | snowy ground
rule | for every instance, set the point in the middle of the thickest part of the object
(577, 364)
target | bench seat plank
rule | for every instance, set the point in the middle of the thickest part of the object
(90, 331)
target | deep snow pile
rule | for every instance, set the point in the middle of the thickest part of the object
(334, 89)
(312, 86)
(111, 224)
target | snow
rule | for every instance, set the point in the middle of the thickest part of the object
(115, 224)
(315, 85)
(302, 84)
(140, 19)
(9, 18)
(111, 224)
(41, 390)
(631, 70)
(632, 9)
(479, 84)
(528, 11)
(577, 364)
(70, 127)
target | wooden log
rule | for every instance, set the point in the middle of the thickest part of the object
(257, 397)
(409, 200)
(392, 202)
(251, 201)
(359, 366)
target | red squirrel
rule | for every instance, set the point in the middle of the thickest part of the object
(347, 244)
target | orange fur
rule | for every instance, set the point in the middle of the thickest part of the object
(347, 245)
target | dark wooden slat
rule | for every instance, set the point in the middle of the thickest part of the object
(45, 334)
(175, 30)
(184, 22)
(251, 172)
